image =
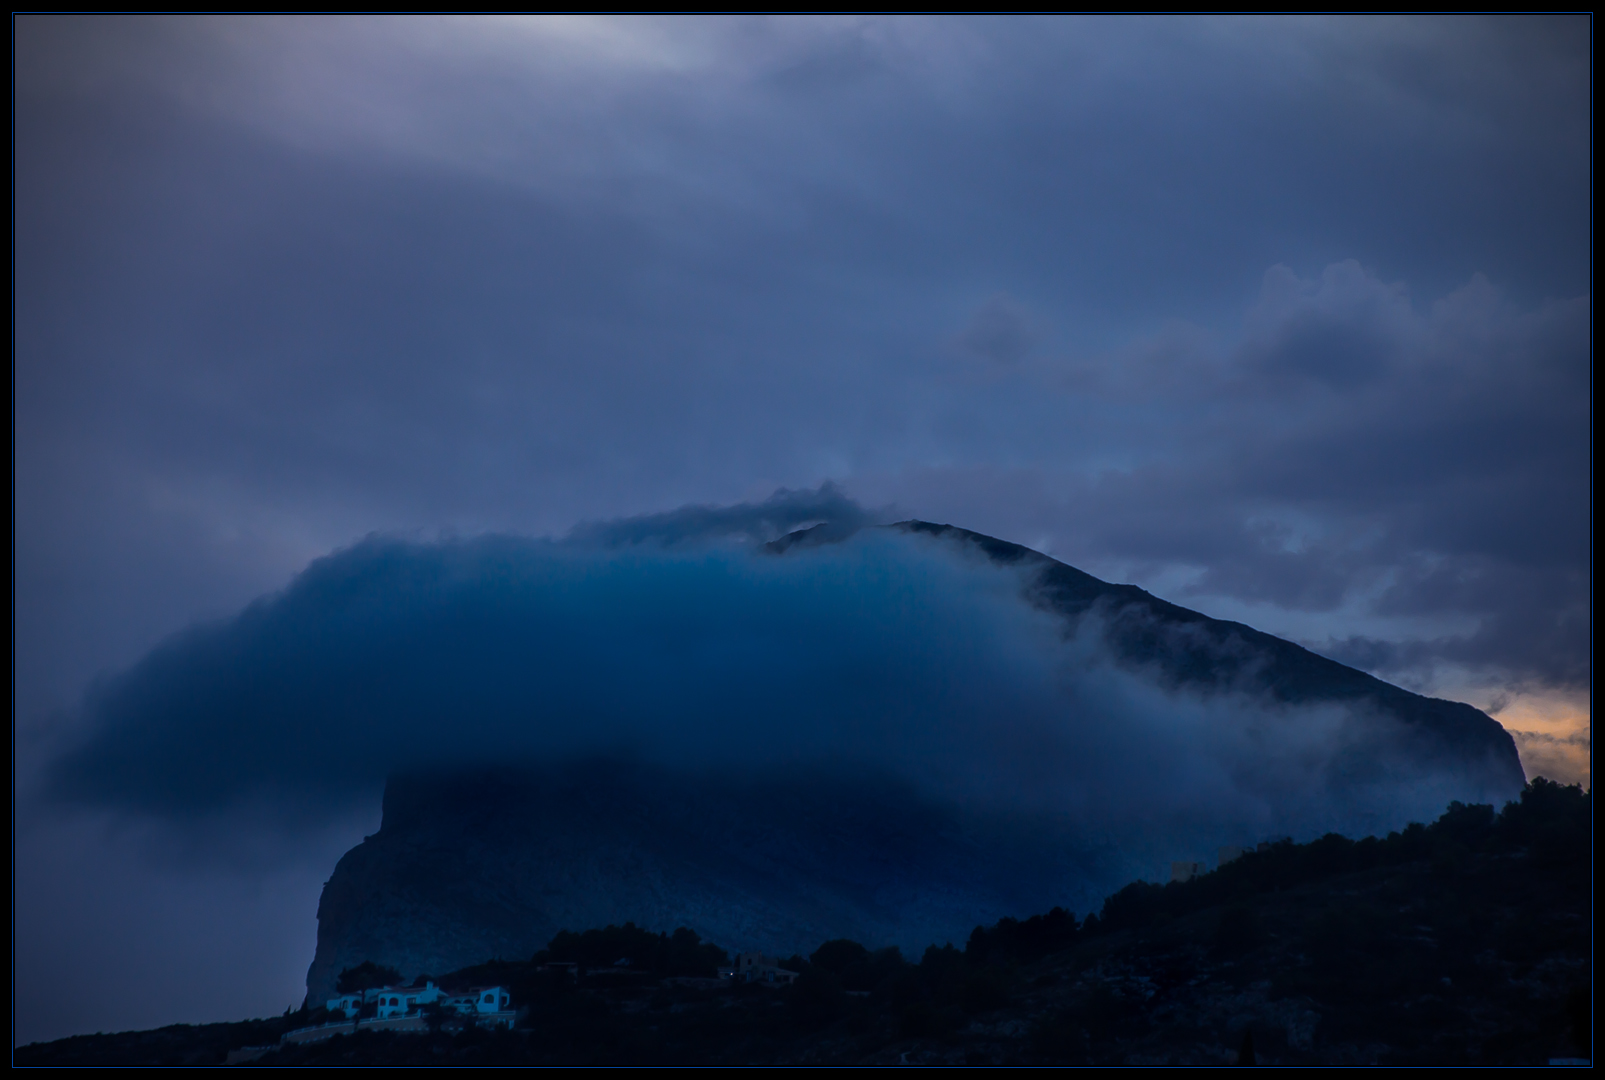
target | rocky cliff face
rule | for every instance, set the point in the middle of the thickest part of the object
(465, 868)
(470, 867)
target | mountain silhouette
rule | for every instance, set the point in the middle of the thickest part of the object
(491, 863)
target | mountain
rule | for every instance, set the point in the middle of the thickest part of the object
(1185, 649)
(493, 863)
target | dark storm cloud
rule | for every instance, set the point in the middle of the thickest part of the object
(283, 282)
(887, 651)
(556, 274)
(1441, 456)
(1352, 451)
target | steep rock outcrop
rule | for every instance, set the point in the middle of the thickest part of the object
(469, 867)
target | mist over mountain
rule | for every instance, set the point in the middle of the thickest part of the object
(950, 787)
(970, 668)
(776, 724)
(1185, 650)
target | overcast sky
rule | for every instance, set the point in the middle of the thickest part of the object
(1286, 320)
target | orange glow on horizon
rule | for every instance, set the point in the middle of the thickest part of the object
(1554, 735)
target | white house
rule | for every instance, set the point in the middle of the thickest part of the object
(756, 967)
(389, 1001)
(480, 1000)
(404, 1001)
(399, 1008)
(349, 1004)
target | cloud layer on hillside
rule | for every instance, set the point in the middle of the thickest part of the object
(659, 640)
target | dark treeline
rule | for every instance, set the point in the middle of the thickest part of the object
(366, 976)
(1464, 941)
(680, 953)
(1550, 823)
(622, 950)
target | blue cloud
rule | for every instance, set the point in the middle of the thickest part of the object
(657, 639)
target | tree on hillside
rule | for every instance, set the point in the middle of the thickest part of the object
(365, 976)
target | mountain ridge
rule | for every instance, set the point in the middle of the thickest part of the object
(469, 866)
(1300, 675)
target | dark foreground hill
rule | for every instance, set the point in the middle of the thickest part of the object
(465, 867)
(1464, 942)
